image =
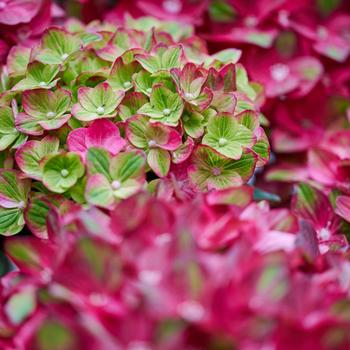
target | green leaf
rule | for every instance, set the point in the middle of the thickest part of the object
(29, 155)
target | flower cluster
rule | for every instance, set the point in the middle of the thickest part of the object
(96, 113)
(218, 273)
(134, 150)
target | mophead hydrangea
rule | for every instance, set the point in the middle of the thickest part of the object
(96, 113)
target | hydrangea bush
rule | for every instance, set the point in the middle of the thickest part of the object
(94, 114)
(133, 153)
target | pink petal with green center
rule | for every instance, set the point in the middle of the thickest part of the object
(82, 114)
(144, 134)
(287, 173)
(97, 102)
(30, 254)
(322, 166)
(309, 70)
(98, 191)
(46, 104)
(227, 75)
(334, 48)
(164, 136)
(189, 80)
(262, 147)
(38, 75)
(162, 58)
(249, 119)
(13, 189)
(29, 155)
(18, 59)
(136, 131)
(211, 170)
(343, 207)
(240, 197)
(128, 165)
(11, 221)
(262, 38)
(183, 152)
(121, 75)
(36, 213)
(224, 101)
(132, 102)
(19, 11)
(28, 125)
(54, 123)
(310, 204)
(57, 45)
(204, 100)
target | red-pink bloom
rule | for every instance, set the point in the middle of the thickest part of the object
(343, 207)
(185, 11)
(101, 133)
(329, 169)
(18, 11)
(280, 77)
